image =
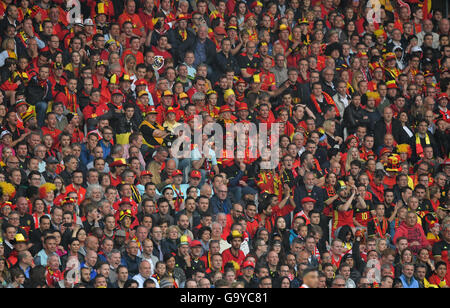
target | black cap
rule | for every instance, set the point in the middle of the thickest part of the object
(51, 160)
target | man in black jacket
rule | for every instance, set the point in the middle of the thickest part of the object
(388, 125)
(225, 60)
(39, 93)
(181, 38)
(354, 115)
(204, 49)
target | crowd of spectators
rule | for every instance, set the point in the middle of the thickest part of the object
(94, 97)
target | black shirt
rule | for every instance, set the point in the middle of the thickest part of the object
(441, 248)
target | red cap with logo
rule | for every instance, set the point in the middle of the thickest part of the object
(195, 174)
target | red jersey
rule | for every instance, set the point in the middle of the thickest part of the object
(342, 218)
(81, 193)
(135, 20)
(52, 132)
(95, 110)
(139, 56)
(227, 256)
(115, 181)
(267, 80)
(160, 55)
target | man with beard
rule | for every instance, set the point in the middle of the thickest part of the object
(29, 120)
(234, 253)
(308, 188)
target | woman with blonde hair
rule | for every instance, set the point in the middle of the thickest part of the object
(356, 78)
(130, 66)
(329, 127)
(352, 154)
(382, 244)
(9, 50)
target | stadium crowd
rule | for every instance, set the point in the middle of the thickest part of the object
(92, 194)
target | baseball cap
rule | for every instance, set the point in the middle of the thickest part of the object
(146, 172)
(195, 174)
(176, 173)
(51, 160)
(88, 22)
(167, 93)
(118, 162)
(125, 77)
(4, 133)
(151, 110)
(140, 82)
(183, 95)
(308, 199)
(117, 92)
(195, 243)
(19, 238)
(143, 92)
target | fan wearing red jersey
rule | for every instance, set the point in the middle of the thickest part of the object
(344, 206)
(234, 253)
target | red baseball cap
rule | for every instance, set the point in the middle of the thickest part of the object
(442, 95)
(177, 172)
(195, 174)
(195, 243)
(308, 199)
(146, 172)
(248, 264)
(140, 82)
(151, 109)
(117, 91)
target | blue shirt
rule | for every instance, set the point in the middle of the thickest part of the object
(413, 285)
(220, 206)
(106, 148)
(85, 155)
(199, 53)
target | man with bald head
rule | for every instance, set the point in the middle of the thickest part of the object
(389, 125)
(206, 190)
(221, 202)
(145, 272)
(427, 28)
(166, 174)
(91, 244)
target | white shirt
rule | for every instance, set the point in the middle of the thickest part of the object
(140, 280)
